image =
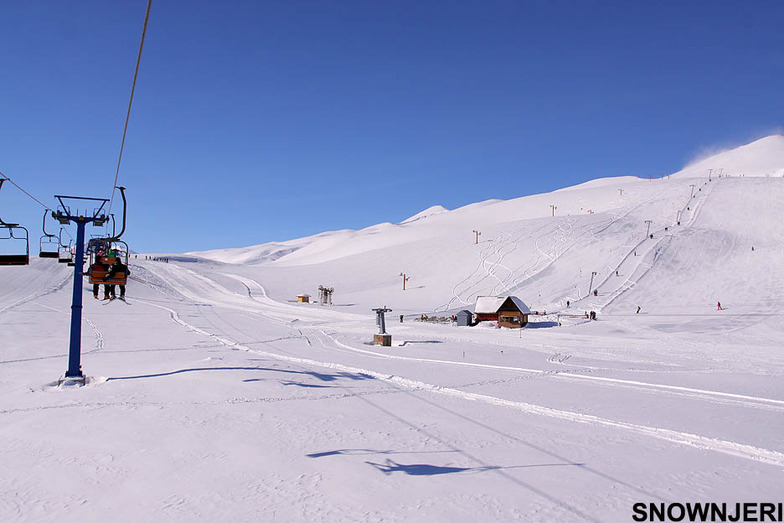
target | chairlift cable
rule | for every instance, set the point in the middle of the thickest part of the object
(68, 233)
(39, 202)
(130, 103)
(6, 178)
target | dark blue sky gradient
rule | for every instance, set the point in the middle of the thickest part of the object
(259, 121)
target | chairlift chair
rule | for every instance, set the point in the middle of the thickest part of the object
(49, 248)
(15, 259)
(65, 255)
(65, 252)
(98, 248)
(95, 248)
(50, 244)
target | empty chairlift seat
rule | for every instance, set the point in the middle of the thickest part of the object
(49, 248)
(15, 258)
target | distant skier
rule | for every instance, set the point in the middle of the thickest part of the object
(567, 304)
(401, 318)
(638, 309)
(719, 305)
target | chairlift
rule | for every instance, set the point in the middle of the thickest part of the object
(65, 255)
(106, 252)
(64, 251)
(72, 251)
(15, 259)
(49, 248)
(50, 244)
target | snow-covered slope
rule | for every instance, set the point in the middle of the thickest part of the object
(548, 255)
(212, 395)
(430, 211)
(764, 157)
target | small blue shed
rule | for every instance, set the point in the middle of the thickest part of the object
(464, 318)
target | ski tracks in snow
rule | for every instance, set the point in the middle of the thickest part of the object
(98, 336)
(749, 452)
(641, 257)
(38, 294)
(550, 244)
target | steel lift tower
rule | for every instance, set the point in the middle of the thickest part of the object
(66, 216)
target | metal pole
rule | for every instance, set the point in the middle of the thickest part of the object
(590, 286)
(648, 232)
(75, 349)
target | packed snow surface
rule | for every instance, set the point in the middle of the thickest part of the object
(213, 395)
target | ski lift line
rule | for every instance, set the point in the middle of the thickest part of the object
(59, 235)
(68, 233)
(130, 103)
(4, 178)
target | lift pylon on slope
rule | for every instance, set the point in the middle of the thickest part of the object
(65, 215)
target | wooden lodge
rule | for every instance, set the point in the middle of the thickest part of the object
(508, 311)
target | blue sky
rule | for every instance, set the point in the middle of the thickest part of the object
(261, 121)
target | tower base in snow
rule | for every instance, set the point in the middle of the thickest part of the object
(384, 340)
(72, 381)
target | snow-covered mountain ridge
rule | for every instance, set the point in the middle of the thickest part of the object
(545, 247)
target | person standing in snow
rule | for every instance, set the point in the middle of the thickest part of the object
(719, 305)
(638, 309)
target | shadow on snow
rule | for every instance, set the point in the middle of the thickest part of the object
(318, 375)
